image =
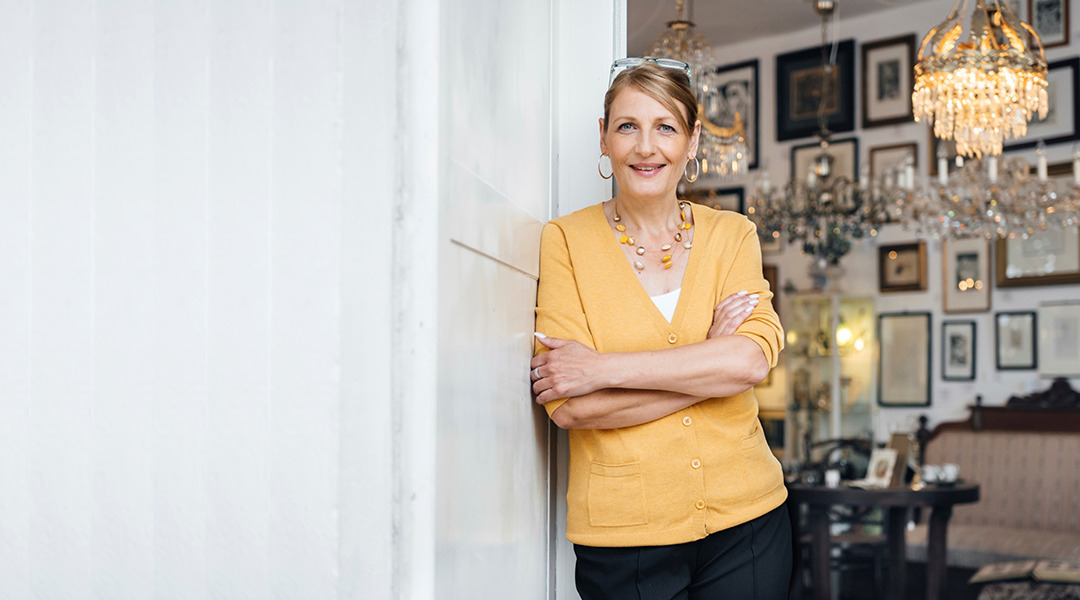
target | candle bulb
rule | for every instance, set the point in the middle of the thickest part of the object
(1040, 151)
(1076, 164)
(991, 169)
(943, 171)
(909, 176)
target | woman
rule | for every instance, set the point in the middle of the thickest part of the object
(654, 323)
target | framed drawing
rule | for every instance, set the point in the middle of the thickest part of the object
(966, 270)
(1050, 19)
(1050, 258)
(902, 267)
(887, 81)
(845, 152)
(1063, 113)
(1059, 339)
(801, 91)
(737, 87)
(958, 350)
(904, 359)
(1014, 341)
(879, 471)
(885, 158)
(730, 198)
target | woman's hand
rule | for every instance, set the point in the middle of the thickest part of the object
(569, 370)
(731, 312)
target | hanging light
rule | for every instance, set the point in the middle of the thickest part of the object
(985, 90)
(723, 150)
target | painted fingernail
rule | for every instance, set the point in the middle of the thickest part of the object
(753, 303)
(749, 308)
(743, 293)
(539, 335)
(755, 295)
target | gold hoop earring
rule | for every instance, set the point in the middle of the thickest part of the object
(600, 171)
(697, 169)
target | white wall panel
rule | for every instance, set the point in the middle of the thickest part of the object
(16, 35)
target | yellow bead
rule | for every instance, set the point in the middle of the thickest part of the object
(630, 240)
(667, 265)
(620, 227)
(667, 258)
(623, 238)
(685, 226)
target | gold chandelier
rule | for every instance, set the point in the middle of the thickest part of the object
(985, 90)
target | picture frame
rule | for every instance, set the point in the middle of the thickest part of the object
(1050, 258)
(904, 359)
(1050, 19)
(958, 350)
(902, 443)
(845, 151)
(879, 470)
(799, 92)
(773, 244)
(884, 158)
(772, 275)
(1059, 339)
(1014, 340)
(726, 198)
(902, 267)
(737, 86)
(932, 149)
(1062, 122)
(966, 273)
(887, 80)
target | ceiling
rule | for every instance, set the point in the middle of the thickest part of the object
(724, 22)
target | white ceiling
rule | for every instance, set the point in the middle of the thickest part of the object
(724, 22)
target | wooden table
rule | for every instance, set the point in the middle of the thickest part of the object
(896, 501)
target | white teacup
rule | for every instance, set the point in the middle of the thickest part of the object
(931, 473)
(950, 472)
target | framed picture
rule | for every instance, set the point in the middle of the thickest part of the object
(879, 470)
(958, 350)
(901, 442)
(1063, 112)
(729, 198)
(1059, 339)
(1014, 341)
(887, 81)
(1050, 19)
(1050, 258)
(773, 244)
(801, 90)
(902, 267)
(884, 158)
(771, 274)
(845, 152)
(904, 359)
(737, 92)
(966, 268)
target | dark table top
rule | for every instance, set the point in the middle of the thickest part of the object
(930, 495)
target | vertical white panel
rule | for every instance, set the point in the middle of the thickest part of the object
(238, 309)
(61, 295)
(180, 298)
(123, 299)
(15, 97)
(305, 249)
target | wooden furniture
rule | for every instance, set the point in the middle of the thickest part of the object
(896, 502)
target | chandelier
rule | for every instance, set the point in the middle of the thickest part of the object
(722, 149)
(823, 211)
(985, 90)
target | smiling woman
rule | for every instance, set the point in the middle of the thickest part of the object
(656, 324)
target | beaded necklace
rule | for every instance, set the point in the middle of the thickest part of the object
(625, 238)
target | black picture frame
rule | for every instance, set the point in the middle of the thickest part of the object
(1015, 345)
(904, 366)
(958, 346)
(1050, 19)
(1063, 77)
(845, 152)
(738, 86)
(902, 267)
(798, 91)
(725, 198)
(887, 81)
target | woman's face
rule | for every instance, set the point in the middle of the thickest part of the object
(647, 144)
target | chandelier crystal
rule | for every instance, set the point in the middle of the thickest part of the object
(985, 90)
(723, 150)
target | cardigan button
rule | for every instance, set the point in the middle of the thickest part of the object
(700, 505)
(687, 421)
(695, 463)
(672, 338)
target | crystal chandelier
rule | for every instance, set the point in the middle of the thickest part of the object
(985, 90)
(722, 149)
(824, 212)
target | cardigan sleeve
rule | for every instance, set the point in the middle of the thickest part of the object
(559, 312)
(763, 326)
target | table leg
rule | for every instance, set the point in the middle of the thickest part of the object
(820, 548)
(896, 521)
(936, 568)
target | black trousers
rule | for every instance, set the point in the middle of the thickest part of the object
(751, 561)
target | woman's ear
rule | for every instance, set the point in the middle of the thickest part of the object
(695, 136)
(603, 144)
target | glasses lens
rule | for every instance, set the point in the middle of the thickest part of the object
(630, 62)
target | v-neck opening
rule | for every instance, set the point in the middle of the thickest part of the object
(686, 285)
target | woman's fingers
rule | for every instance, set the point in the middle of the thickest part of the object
(732, 312)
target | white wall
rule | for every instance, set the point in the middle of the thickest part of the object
(949, 399)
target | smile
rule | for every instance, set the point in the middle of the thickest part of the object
(647, 169)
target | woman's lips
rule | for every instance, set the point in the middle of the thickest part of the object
(647, 170)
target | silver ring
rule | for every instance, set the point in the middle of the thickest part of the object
(536, 372)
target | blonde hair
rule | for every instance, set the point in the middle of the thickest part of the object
(670, 87)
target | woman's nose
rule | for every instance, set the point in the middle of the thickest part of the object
(645, 143)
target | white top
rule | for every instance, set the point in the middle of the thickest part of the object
(666, 303)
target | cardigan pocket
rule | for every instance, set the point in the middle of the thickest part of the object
(762, 472)
(616, 495)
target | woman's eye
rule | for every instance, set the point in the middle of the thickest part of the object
(625, 127)
(667, 129)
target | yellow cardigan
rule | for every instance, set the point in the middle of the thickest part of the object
(696, 471)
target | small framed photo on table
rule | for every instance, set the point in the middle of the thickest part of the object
(958, 350)
(1014, 340)
(879, 470)
(966, 269)
(902, 267)
(1059, 339)
(887, 81)
(904, 359)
